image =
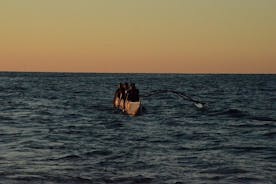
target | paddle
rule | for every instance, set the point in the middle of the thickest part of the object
(197, 103)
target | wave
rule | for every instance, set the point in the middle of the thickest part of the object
(247, 149)
(270, 134)
(99, 153)
(69, 157)
(225, 170)
(236, 113)
(5, 118)
(134, 179)
(54, 179)
(261, 118)
(230, 112)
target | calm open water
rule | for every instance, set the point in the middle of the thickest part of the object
(61, 128)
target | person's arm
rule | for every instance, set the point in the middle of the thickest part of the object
(127, 94)
(114, 99)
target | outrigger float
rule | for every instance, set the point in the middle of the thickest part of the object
(128, 107)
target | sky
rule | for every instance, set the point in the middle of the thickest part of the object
(141, 36)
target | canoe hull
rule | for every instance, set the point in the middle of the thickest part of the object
(131, 108)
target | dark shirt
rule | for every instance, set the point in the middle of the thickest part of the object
(133, 95)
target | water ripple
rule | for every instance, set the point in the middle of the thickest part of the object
(61, 128)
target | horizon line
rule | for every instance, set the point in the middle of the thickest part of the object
(163, 73)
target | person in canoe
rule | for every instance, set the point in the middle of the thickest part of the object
(124, 93)
(119, 94)
(133, 93)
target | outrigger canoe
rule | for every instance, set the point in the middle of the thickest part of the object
(131, 108)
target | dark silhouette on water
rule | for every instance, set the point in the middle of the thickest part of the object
(133, 93)
(118, 93)
(124, 94)
(127, 99)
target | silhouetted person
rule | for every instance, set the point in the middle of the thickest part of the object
(126, 90)
(119, 93)
(133, 93)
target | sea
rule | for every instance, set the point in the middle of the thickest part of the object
(60, 128)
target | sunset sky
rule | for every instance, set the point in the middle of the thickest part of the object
(159, 36)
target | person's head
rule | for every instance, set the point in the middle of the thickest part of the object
(121, 85)
(126, 85)
(132, 85)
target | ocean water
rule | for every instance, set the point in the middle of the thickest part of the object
(61, 128)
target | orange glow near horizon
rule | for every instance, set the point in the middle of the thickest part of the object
(157, 36)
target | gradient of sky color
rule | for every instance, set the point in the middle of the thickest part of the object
(178, 36)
